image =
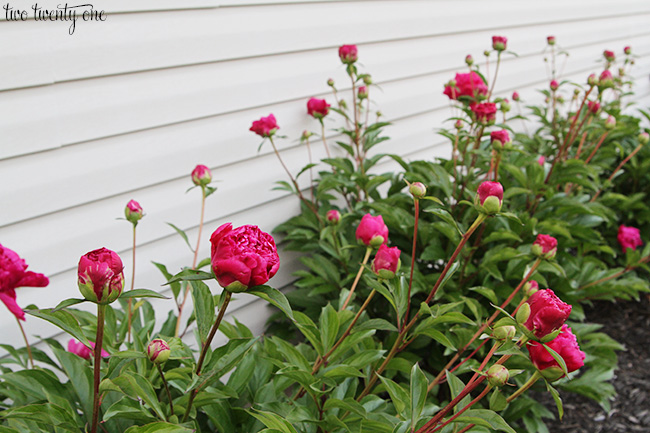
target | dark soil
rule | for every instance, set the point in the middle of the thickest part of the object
(629, 324)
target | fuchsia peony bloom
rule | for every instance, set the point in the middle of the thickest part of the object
(133, 212)
(100, 276)
(80, 349)
(547, 313)
(545, 246)
(243, 257)
(348, 53)
(470, 84)
(14, 274)
(541, 160)
(566, 345)
(609, 55)
(499, 43)
(318, 108)
(333, 216)
(629, 237)
(501, 136)
(485, 112)
(372, 231)
(386, 262)
(265, 127)
(201, 175)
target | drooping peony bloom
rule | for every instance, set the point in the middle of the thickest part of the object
(265, 127)
(545, 246)
(547, 312)
(372, 231)
(485, 112)
(629, 237)
(201, 175)
(80, 349)
(133, 212)
(470, 84)
(243, 257)
(100, 276)
(386, 262)
(14, 274)
(318, 108)
(566, 345)
(348, 54)
(158, 351)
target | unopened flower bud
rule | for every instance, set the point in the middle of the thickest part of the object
(609, 55)
(133, 212)
(486, 53)
(489, 197)
(363, 92)
(550, 40)
(201, 175)
(306, 135)
(348, 54)
(545, 246)
(469, 60)
(417, 190)
(505, 105)
(367, 80)
(530, 288)
(627, 50)
(643, 138)
(560, 100)
(158, 351)
(330, 82)
(523, 313)
(386, 262)
(554, 85)
(515, 96)
(610, 123)
(606, 80)
(621, 72)
(505, 333)
(100, 276)
(498, 375)
(592, 80)
(576, 92)
(499, 43)
(333, 216)
(459, 124)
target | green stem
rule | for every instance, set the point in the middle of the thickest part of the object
(130, 306)
(413, 250)
(27, 346)
(530, 382)
(169, 394)
(99, 339)
(356, 279)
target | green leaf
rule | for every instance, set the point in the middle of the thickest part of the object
(486, 418)
(142, 293)
(308, 328)
(80, 376)
(159, 427)
(398, 396)
(134, 385)
(557, 357)
(274, 297)
(203, 308)
(329, 326)
(62, 319)
(498, 401)
(419, 386)
(183, 235)
(176, 287)
(557, 399)
(190, 275)
(67, 303)
(272, 421)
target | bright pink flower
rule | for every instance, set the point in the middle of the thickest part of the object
(629, 237)
(470, 84)
(243, 257)
(541, 160)
(348, 53)
(14, 274)
(265, 127)
(545, 246)
(133, 211)
(333, 216)
(550, 40)
(565, 344)
(501, 136)
(201, 175)
(318, 108)
(499, 43)
(554, 85)
(609, 55)
(80, 349)
(372, 231)
(485, 112)
(490, 189)
(386, 261)
(547, 313)
(100, 276)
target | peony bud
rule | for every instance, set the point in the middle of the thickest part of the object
(504, 333)
(629, 237)
(565, 345)
(363, 92)
(627, 50)
(545, 246)
(100, 276)
(621, 72)
(372, 231)
(505, 105)
(265, 127)
(530, 288)
(523, 313)
(610, 122)
(593, 107)
(484, 112)
(541, 160)
(486, 53)
(515, 96)
(367, 80)
(550, 40)
(606, 80)
(498, 375)
(554, 85)
(348, 54)
(489, 197)
(318, 108)
(201, 175)
(592, 80)
(417, 190)
(306, 135)
(547, 313)
(560, 100)
(499, 43)
(158, 351)
(386, 262)
(469, 60)
(459, 124)
(333, 216)
(330, 82)
(609, 55)
(499, 139)
(643, 138)
(133, 212)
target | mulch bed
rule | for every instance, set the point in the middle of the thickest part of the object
(629, 324)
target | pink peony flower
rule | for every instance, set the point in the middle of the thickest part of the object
(470, 84)
(545, 246)
(547, 312)
(566, 345)
(318, 108)
(499, 43)
(14, 274)
(362, 92)
(372, 231)
(348, 53)
(629, 237)
(201, 175)
(501, 136)
(490, 189)
(265, 127)
(386, 262)
(80, 349)
(485, 112)
(100, 276)
(606, 79)
(243, 257)
(333, 216)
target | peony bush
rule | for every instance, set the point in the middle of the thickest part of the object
(432, 296)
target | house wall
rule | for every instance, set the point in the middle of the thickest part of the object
(124, 109)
